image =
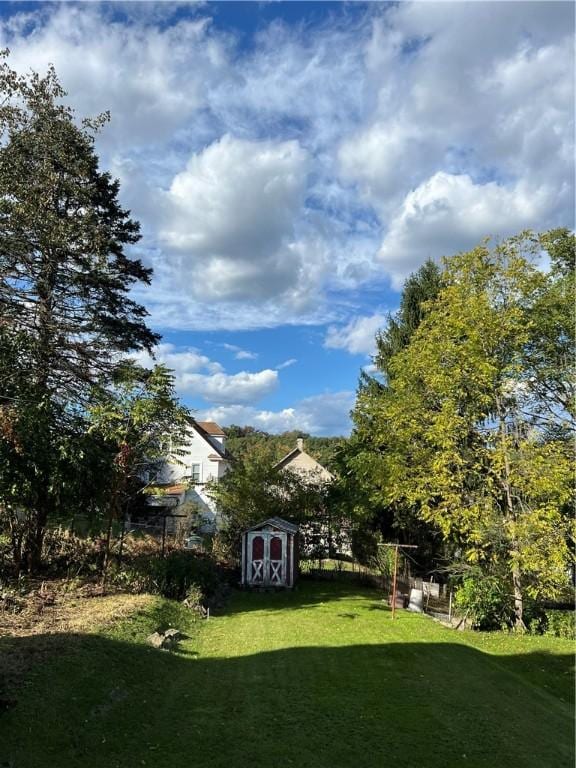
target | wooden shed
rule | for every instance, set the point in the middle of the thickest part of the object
(270, 554)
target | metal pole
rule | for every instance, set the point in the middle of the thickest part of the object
(394, 582)
(163, 534)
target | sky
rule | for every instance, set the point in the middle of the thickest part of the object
(292, 163)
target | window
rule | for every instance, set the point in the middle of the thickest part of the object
(195, 473)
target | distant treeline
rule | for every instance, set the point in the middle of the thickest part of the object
(251, 443)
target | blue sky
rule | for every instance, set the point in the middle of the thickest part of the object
(292, 163)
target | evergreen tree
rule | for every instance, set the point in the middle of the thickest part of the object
(65, 279)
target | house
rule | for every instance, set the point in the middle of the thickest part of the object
(329, 535)
(303, 464)
(182, 486)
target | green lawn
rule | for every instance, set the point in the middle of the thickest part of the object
(321, 677)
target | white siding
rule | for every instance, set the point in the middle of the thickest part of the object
(197, 451)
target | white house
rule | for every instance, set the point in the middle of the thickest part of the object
(202, 459)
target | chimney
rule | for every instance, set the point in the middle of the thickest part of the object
(300, 444)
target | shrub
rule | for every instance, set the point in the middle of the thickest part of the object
(486, 600)
(555, 622)
(63, 552)
(170, 576)
(560, 624)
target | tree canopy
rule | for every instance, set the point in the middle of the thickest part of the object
(465, 418)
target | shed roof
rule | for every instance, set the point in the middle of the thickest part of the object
(277, 522)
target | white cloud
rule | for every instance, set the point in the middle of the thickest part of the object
(239, 353)
(228, 223)
(151, 77)
(198, 375)
(243, 387)
(357, 337)
(286, 364)
(326, 414)
(448, 213)
(267, 177)
(181, 361)
(473, 99)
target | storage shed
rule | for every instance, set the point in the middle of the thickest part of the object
(270, 554)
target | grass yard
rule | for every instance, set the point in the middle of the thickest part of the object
(320, 678)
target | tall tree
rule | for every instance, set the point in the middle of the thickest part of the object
(362, 458)
(65, 277)
(459, 443)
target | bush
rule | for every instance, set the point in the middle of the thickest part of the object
(555, 622)
(560, 624)
(63, 552)
(172, 576)
(486, 600)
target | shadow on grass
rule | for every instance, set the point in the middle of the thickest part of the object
(93, 701)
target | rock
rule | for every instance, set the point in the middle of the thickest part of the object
(156, 640)
(166, 640)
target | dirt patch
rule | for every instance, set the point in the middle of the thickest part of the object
(52, 608)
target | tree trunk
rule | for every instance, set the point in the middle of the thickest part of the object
(511, 514)
(34, 537)
(518, 598)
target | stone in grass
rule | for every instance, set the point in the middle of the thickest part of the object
(156, 640)
(167, 639)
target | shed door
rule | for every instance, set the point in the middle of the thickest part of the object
(266, 558)
(256, 558)
(277, 559)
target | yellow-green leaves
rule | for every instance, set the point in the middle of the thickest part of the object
(461, 419)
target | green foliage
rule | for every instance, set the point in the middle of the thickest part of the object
(363, 470)
(559, 624)
(245, 443)
(485, 600)
(67, 315)
(176, 576)
(418, 295)
(465, 444)
(254, 490)
(142, 423)
(552, 621)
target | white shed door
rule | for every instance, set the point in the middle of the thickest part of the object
(266, 558)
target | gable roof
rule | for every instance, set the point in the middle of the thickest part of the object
(299, 451)
(276, 522)
(211, 428)
(207, 436)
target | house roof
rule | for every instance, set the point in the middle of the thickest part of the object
(167, 488)
(276, 522)
(212, 428)
(297, 451)
(218, 447)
